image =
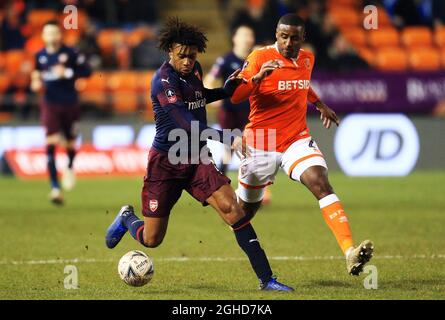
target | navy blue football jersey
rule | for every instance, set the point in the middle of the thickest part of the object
(61, 90)
(223, 68)
(178, 101)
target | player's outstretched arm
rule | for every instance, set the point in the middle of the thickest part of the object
(244, 90)
(232, 82)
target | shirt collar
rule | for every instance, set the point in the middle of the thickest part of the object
(294, 60)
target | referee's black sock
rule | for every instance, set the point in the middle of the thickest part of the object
(248, 241)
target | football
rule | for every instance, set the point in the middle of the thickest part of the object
(136, 268)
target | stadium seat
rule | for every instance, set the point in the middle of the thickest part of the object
(125, 101)
(136, 36)
(21, 80)
(439, 37)
(417, 37)
(355, 36)
(123, 86)
(34, 44)
(345, 18)
(18, 60)
(4, 82)
(383, 37)
(144, 80)
(107, 39)
(37, 18)
(144, 86)
(123, 80)
(383, 18)
(424, 59)
(94, 89)
(391, 59)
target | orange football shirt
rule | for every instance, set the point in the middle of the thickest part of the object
(279, 101)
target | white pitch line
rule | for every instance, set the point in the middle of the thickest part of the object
(213, 259)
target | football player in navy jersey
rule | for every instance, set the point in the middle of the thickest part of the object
(57, 68)
(231, 116)
(179, 99)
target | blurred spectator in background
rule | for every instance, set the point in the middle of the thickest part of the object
(343, 57)
(99, 11)
(320, 32)
(409, 12)
(11, 26)
(136, 11)
(438, 12)
(231, 116)
(89, 46)
(261, 15)
(46, 4)
(146, 55)
(115, 12)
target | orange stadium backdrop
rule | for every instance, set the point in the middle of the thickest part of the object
(89, 162)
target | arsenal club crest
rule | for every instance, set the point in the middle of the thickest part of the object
(153, 205)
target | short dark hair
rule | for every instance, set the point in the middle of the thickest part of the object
(52, 23)
(176, 31)
(291, 19)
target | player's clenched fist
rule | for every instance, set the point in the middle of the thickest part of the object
(266, 69)
(232, 82)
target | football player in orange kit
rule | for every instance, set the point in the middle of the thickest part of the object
(277, 83)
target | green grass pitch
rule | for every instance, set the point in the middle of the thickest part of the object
(200, 259)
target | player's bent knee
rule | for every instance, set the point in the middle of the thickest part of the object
(231, 212)
(226, 206)
(153, 241)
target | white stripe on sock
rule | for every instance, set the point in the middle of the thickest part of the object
(328, 200)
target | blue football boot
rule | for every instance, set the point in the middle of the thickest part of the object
(274, 285)
(117, 229)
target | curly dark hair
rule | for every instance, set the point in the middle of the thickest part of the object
(177, 31)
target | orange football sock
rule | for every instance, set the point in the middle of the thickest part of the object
(336, 218)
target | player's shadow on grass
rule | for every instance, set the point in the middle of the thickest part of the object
(332, 283)
(214, 288)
